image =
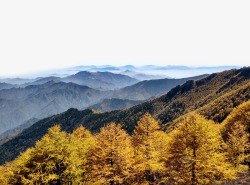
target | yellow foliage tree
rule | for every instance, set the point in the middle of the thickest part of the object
(44, 164)
(4, 174)
(240, 114)
(235, 132)
(148, 143)
(194, 154)
(111, 161)
(238, 146)
(21, 169)
(80, 147)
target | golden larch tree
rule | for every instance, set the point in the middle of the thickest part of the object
(112, 154)
(148, 142)
(80, 145)
(235, 132)
(238, 146)
(45, 163)
(240, 114)
(5, 174)
(194, 154)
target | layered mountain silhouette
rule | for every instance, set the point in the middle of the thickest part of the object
(151, 88)
(48, 96)
(143, 76)
(6, 86)
(101, 80)
(41, 80)
(148, 72)
(206, 96)
(17, 81)
(96, 80)
(39, 101)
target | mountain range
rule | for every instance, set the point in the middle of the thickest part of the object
(101, 80)
(207, 96)
(39, 101)
(6, 86)
(53, 95)
(96, 80)
(146, 72)
(149, 72)
(151, 88)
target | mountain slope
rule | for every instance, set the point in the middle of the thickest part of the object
(42, 80)
(9, 133)
(43, 100)
(142, 76)
(151, 88)
(96, 80)
(16, 80)
(114, 104)
(6, 86)
(193, 95)
(100, 80)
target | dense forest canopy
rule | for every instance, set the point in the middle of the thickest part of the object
(196, 152)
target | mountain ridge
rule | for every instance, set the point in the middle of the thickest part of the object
(43, 100)
(151, 88)
(108, 105)
(55, 96)
(181, 100)
(100, 80)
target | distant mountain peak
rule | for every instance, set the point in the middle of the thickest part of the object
(101, 80)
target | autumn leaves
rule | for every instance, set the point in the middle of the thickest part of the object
(112, 154)
(194, 153)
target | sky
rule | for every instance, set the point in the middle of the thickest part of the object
(53, 34)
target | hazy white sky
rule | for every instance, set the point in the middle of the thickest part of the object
(38, 35)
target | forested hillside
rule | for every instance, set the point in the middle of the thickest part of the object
(196, 152)
(108, 105)
(151, 88)
(223, 87)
